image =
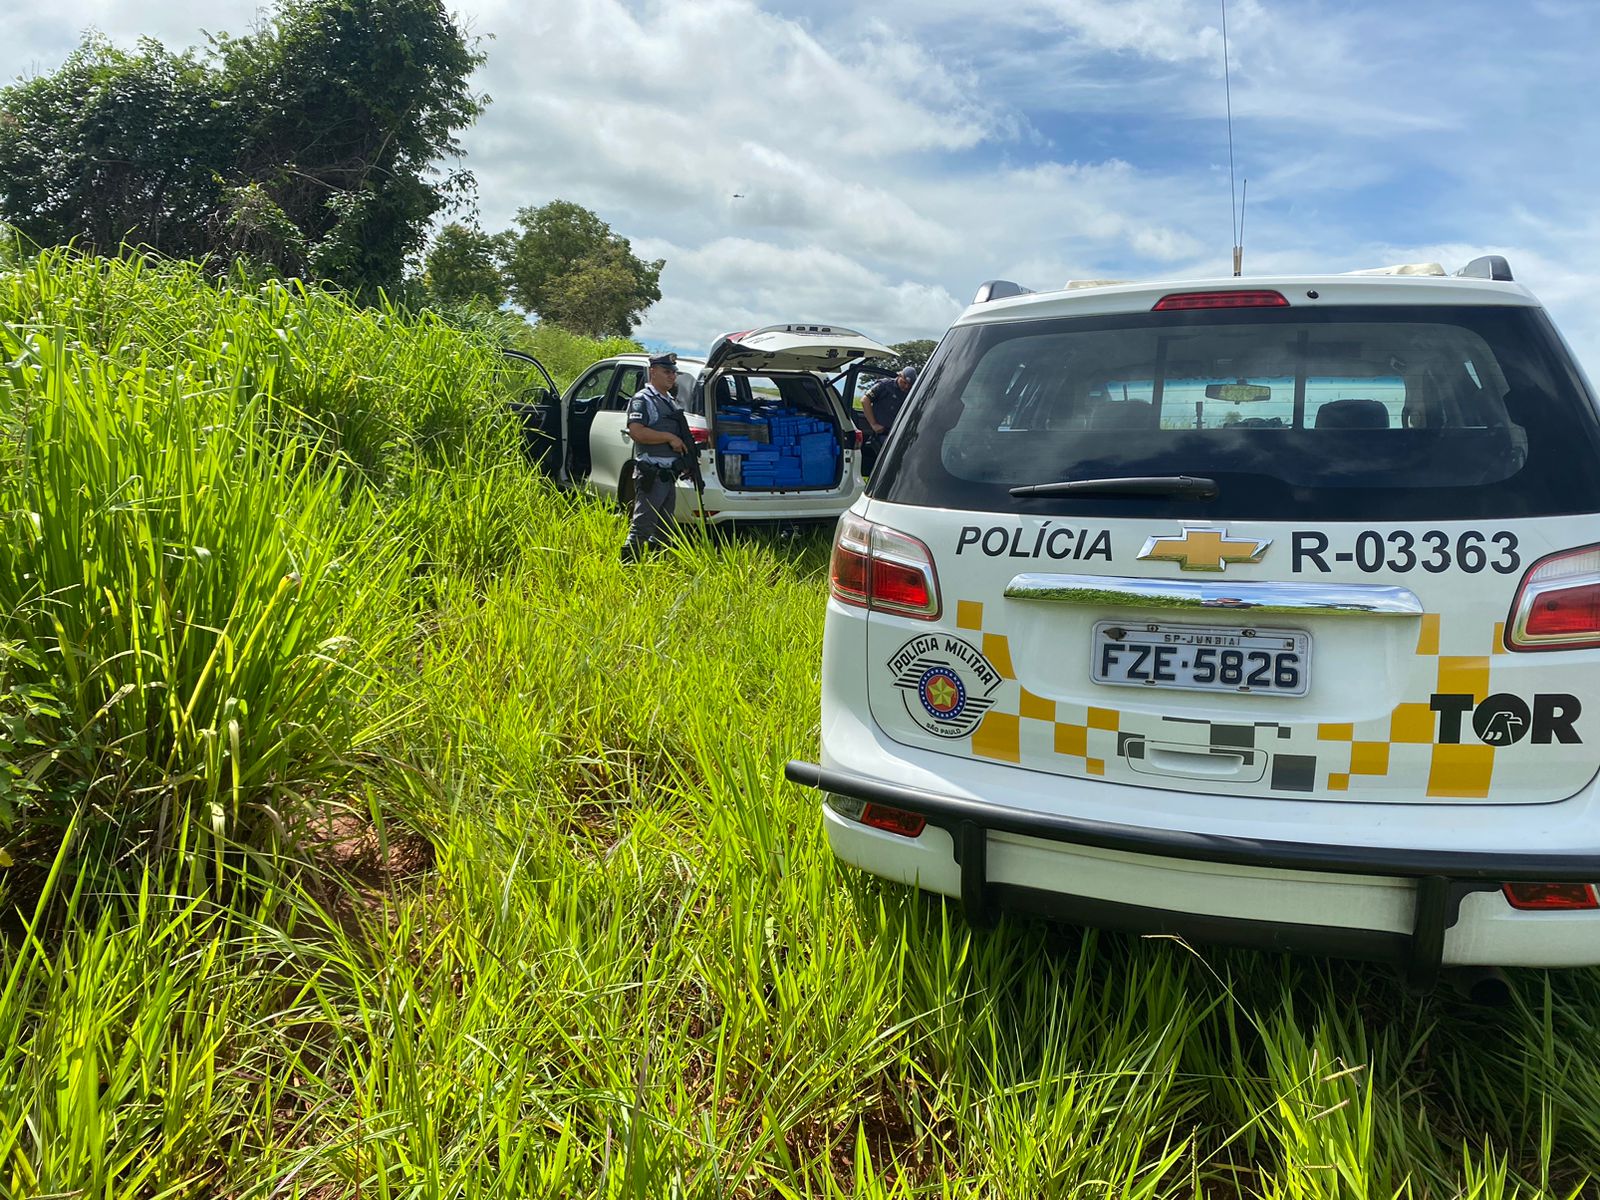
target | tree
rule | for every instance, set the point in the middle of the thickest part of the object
(351, 104)
(914, 353)
(464, 264)
(251, 227)
(603, 294)
(567, 265)
(907, 354)
(117, 147)
(308, 145)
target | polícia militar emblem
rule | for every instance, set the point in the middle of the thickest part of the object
(946, 682)
(942, 693)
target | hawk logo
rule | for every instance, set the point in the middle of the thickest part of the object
(1500, 729)
(1504, 720)
(1204, 549)
(946, 683)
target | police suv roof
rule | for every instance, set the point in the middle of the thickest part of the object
(1299, 290)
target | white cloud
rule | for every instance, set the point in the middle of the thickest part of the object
(735, 283)
(36, 38)
(889, 160)
(1169, 31)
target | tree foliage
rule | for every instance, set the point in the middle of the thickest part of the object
(567, 265)
(351, 102)
(602, 294)
(914, 353)
(561, 261)
(309, 144)
(465, 263)
(117, 147)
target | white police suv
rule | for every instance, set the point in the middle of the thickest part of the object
(1264, 611)
(776, 441)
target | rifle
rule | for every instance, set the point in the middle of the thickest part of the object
(688, 464)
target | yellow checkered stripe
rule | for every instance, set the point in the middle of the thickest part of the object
(1347, 754)
(999, 736)
(1464, 771)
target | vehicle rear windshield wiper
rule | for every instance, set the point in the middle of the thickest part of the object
(1192, 487)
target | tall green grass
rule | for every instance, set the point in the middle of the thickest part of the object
(558, 926)
(199, 574)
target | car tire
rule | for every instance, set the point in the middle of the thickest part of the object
(625, 489)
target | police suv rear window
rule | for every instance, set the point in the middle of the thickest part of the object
(1374, 413)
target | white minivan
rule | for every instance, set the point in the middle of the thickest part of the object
(1257, 611)
(776, 439)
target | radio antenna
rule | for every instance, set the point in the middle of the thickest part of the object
(1235, 213)
(1238, 250)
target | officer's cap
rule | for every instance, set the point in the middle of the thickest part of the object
(664, 360)
(909, 374)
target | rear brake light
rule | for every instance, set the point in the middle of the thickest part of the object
(1557, 607)
(881, 569)
(702, 437)
(1563, 612)
(861, 439)
(1231, 299)
(899, 586)
(894, 820)
(1544, 897)
(852, 554)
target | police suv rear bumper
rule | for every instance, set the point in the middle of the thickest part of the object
(1440, 879)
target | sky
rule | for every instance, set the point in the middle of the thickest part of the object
(871, 165)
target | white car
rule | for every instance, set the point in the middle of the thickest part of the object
(776, 441)
(1264, 612)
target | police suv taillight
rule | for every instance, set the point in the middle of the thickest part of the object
(1546, 897)
(1558, 605)
(884, 570)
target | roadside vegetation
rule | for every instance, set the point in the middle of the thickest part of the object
(369, 831)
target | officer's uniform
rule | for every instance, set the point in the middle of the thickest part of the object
(654, 467)
(886, 397)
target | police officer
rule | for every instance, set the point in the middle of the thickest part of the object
(880, 406)
(655, 424)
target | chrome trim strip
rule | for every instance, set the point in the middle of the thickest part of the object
(1311, 599)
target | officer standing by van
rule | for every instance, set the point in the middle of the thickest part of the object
(882, 404)
(656, 425)
(880, 407)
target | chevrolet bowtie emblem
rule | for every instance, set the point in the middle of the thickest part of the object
(1205, 549)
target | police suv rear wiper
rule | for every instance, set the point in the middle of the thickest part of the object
(1192, 487)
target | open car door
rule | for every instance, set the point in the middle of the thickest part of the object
(855, 383)
(852, 384)
(536, 403)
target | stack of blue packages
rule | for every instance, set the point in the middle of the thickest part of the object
(798, 451)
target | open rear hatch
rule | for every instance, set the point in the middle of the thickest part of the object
(774, 421)
(793, 348)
